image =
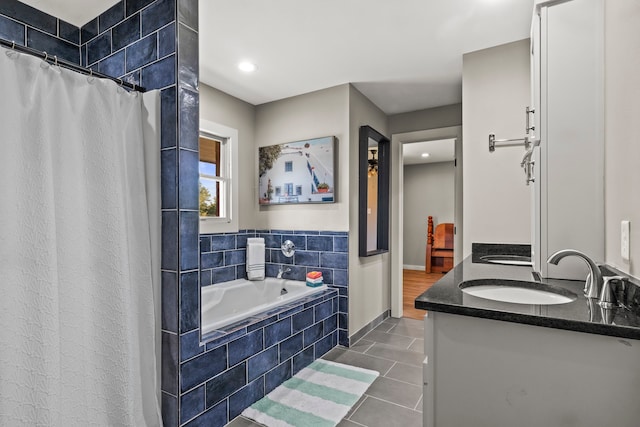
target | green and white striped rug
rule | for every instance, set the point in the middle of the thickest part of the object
(319, 395)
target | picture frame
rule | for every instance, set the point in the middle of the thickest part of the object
(298, 172)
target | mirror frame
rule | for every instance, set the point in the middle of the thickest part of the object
(384, 151)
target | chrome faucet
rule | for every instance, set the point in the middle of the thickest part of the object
(594, 279)
(282, 271)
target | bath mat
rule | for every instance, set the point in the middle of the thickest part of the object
(319, 395)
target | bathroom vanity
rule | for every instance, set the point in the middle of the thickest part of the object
(492, 363)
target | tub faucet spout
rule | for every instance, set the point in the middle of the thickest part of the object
(594, 279)
(282, 271)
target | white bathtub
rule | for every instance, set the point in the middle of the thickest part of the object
(230, 302)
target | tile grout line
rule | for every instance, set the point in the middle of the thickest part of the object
(392, 403)
(356, 408)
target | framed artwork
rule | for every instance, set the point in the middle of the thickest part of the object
(297, 172)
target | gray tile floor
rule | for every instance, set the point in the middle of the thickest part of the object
(395, 350)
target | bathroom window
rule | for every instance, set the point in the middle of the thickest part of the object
(278, 191)
(298, 190)
(217, 178)
(288, 166)
(288, 189)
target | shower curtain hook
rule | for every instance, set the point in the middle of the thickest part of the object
(55, 57)
(46, 56)
(13, 45)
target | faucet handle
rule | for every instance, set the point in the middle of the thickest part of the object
(607, 296)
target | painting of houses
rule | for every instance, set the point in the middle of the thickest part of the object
(297, 172)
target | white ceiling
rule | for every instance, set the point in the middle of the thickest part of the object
(76, 12)
(404, 55)
(442, 150)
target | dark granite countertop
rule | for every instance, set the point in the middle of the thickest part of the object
(581, 315)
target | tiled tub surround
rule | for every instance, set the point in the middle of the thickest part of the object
(248, 359)
(223, 258)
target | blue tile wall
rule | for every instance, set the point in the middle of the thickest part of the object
(222, 259)
(31, 27)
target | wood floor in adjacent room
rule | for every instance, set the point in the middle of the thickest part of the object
(415, 282)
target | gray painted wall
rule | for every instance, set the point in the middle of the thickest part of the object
(495, 92)
(622, 150)
(428, 190)
(431, 118)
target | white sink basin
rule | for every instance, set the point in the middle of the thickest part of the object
(518, 292)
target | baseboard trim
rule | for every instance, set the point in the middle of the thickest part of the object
(369, 327)
(413, 267)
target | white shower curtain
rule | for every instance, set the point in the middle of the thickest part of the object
(76, 297)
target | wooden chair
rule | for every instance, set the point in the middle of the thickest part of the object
(439, 257)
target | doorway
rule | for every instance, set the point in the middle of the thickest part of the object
(408, 277)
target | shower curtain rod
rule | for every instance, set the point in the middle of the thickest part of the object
(66, 64)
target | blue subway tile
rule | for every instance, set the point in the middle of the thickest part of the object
(189, 176)
(320, 243)
(245, 397)
(89, 31)
(169, 410)
(302, 320)
(168, 178)
(216, 416)
(343, 338)
(189, 243)
(308, 259)
(99, 48)
(203, 367)
(324, 310)
(307, 232)
(343, 320)
(290, 311)
(235, 257)
(170, 363)
(271, 270)
(334, 260)
(341, 244)
(277, 376)
(206, 277)
(240, 271)
(205, 243)
(68, 32)
(134, 6)
(335, 307)
(262, 362)
(272, 240)
(302, 359)
(189, 302)
(159, 14)
(323, 346)
(340, 277)
(167, 40)
(343, 292)
(298, 240)
(142, 52)
(211, 260)
(126, 32)
(248, 345)
(170, 240)
(159, 74)
(53, 46)
(11, 30)
(312, 300)
(260, 232)
(188, 13)
(190, 345)
(188, 58)
(221, 386)
(277, 257)
(111, 16)
(241, 240)
(168, 114)
(231, 336)
(297, 273)
(224, 274)
(223, 242)
(189, 112)
(262, 323)
(330, 324)
(343, 304)
(334, 233)
(313, 334)
(280, 231)
(29, 15)
(291, 346)
(277, 332)
(170, 301)
(113, 65)
(192, 403)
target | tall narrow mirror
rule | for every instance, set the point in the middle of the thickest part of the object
(374, 192)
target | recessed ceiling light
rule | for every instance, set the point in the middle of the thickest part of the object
(247, 67)
(425, 154)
